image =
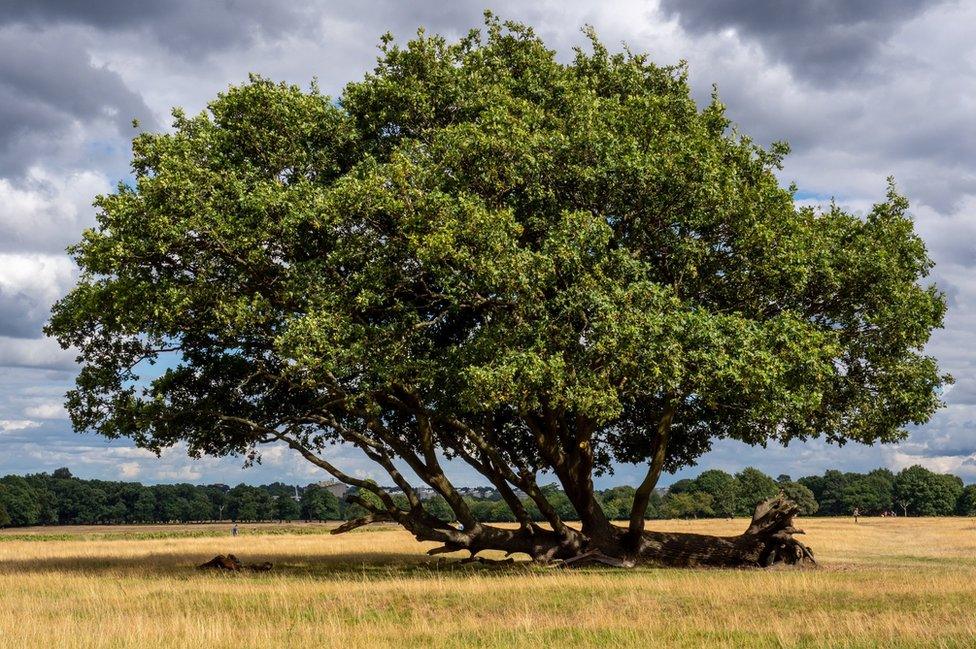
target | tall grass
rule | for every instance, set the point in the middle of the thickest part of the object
(883, 583)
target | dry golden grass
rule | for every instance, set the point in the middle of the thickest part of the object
(883, 583)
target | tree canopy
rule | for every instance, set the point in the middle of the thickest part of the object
(478, 252)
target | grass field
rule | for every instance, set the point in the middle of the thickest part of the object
(882, 583)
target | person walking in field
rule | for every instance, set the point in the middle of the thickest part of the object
(857, 512)
(233, 530)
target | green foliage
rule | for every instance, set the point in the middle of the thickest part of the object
(920, 492)
(505, 236)
(286, 508)
(247, 503)
(800, 495)
(967, 501)
(20, 501)
(439, 508)
(353, 509)
(722, 487)
(687, 504)
(319, 504)
(872, 493)
(754, 486)
(617, 503)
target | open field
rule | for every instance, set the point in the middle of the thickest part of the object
(883, 583)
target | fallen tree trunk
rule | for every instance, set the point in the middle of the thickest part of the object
(769, 540)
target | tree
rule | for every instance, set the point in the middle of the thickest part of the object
(438, 508)
(920, 492)
(19, 501)
(319, 504)
(966, 506)
(754, 486)
(828, 490)
(803, 497)
(247, 503)
(483, 254)
(617, 502)
(4, 516)
(871, 493)
(687, 504)
(723, 488)
(286, 508)
(144, 507)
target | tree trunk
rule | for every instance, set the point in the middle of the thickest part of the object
(768, 541)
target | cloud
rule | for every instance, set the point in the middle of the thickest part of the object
(45, 212)
(184, 473)
(188, 28)
(9, 425)
(822, 41)
(38, 353)
(49, 87)
(29, 285)
(47, 410)
(130, 470)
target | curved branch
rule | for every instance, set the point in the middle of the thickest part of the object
(642, 495)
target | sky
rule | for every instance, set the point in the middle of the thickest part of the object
(861, 90)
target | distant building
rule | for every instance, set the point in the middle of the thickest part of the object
(337, 489)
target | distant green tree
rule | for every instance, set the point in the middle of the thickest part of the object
(723, 488)
(217, 494)
(684, 485)
(361, 502)
(871, 493)
(286, 508)
(4, 516)
(20, 501)
(144, 506)
(966, 505)
(920, 492)
(800, 495)
(46, 498)
(247, 503)
(438, 508)
(687, 504)
(828, 489)
(199, 508)
(319, 504)
(754, 487)
(618, 502)
(500, 512)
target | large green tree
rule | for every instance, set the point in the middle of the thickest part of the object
(920, 492)
(481, 253)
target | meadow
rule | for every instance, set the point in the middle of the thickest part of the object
(881, 583)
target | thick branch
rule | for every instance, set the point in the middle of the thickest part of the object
(642, 495)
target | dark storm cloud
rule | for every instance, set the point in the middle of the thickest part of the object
(821, 40)
(49, 85)
(187, 27)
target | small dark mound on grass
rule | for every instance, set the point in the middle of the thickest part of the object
(231, 563)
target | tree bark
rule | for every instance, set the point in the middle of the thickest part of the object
(769, 540)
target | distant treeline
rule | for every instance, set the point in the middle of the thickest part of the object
(61, 499)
